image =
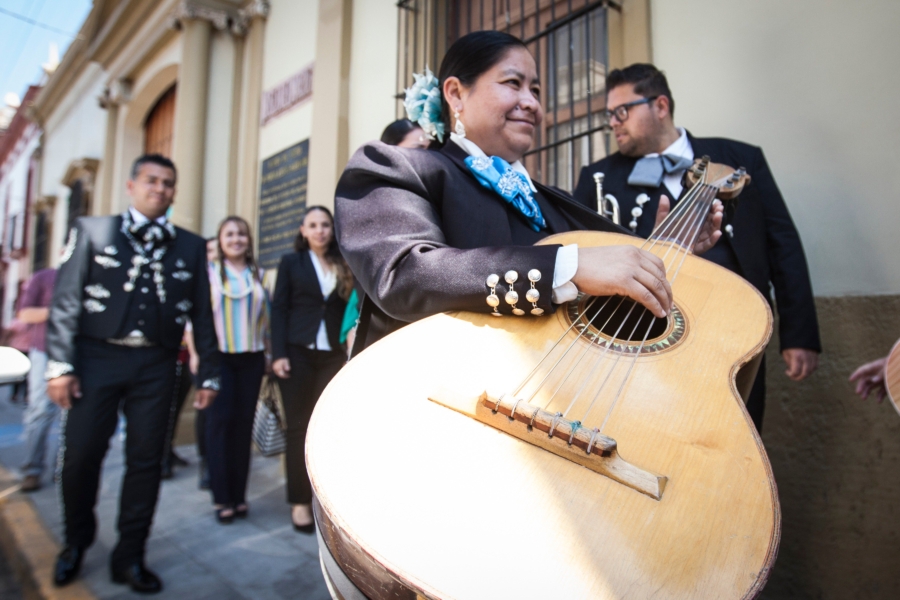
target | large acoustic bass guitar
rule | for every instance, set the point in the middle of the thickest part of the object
(597, 452)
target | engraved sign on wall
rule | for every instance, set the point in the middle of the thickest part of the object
(289, 93)
(282, 199)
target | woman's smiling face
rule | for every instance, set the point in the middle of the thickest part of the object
(234, 240)
(502, 109)
(317, 228)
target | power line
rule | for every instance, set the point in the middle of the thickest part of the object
(38, 24)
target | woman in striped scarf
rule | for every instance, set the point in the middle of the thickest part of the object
(241, 314)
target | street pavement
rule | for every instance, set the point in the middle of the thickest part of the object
(259, 558)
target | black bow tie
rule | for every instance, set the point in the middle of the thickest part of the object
(151, 232)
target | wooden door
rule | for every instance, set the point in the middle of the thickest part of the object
(159, 125)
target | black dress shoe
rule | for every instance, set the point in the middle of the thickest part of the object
(225, 515)
(30, 483)
(141, 579)
(308, 529)
(68, 563)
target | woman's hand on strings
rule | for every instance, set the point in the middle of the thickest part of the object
(709, 233)
(624, 271)
(870, 378)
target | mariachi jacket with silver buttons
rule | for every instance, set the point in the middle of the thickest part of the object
(762, 237)
(423, 236)
(102, 282)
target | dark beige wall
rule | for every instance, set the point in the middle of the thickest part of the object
(837, 462)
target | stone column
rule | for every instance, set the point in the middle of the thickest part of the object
(252, 23)
(103, 204)
(188, 144)
(329, 147)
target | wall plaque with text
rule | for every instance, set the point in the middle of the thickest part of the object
(282, 199)
(294, 90)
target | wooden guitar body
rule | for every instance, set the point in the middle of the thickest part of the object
(892, 376)
(418, 499)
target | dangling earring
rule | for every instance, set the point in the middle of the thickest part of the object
(459, 129)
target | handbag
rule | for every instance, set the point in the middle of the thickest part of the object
(268, 423)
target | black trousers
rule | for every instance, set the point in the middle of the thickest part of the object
(311, 370)
(756, 402)
(229, 426)
(140, 382)
(183, 383)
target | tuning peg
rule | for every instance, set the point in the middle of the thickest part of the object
(642, 199)
(729, 230)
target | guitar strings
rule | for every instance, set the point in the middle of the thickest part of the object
(584, 349)
(599, 359)
(672, 221)
(685, 225)
(669, 221)
(710, 197)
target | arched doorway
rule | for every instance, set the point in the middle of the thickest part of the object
(159, 125)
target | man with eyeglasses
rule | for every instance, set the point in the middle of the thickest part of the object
(761, 242)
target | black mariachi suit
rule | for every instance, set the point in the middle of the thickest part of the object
(422, 235)
(91, 305)
(765, 246)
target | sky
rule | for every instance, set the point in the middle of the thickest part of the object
(24, 46)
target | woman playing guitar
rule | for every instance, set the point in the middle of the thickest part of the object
(424, 233)
(417, 499)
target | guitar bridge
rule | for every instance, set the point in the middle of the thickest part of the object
(586, 447)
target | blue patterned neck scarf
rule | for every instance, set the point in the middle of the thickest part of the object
(496, 174)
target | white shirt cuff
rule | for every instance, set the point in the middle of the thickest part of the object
(566, 266)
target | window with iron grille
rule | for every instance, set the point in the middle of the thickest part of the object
(569, 40)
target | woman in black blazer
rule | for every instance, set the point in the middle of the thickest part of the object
(307, 310)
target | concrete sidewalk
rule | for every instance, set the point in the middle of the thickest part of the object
(258, 558)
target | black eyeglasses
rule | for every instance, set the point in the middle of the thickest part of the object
(621, 111)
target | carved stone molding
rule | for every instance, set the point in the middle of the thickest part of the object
(44, 204)
(117, 93)
(253, 10)
(191, 10)
(83, 170)
(105, 99)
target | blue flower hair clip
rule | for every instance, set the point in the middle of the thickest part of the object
(423, 104)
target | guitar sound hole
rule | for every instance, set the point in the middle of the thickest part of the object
(622, 319)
